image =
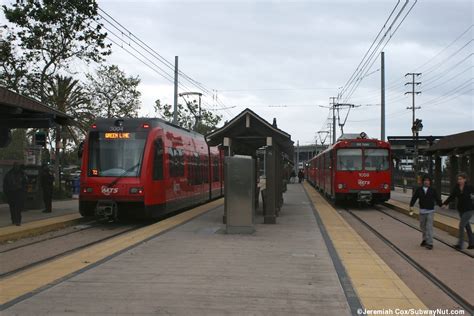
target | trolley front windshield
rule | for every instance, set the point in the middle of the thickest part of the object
(376, 159)
(114, 154)
(349, 159)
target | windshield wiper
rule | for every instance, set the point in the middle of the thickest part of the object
(123, 174)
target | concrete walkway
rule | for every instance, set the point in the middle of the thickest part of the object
(62, 207)
(196, 269)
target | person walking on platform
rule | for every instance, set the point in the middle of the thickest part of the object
(300, 176)
(463, 192)
(427, 197)
(14, 187)
(292, 176)
(47, 180)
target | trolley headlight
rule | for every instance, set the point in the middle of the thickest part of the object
(385, 186)
(87, 190)
(341, 186)
(136, 190)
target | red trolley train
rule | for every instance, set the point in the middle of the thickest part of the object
(353, 169)
(146, 167)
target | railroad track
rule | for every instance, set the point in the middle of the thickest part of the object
(431, 277)
(95, 224)
(66, 252)
(86, 226)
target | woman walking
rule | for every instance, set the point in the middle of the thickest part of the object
(463, 192)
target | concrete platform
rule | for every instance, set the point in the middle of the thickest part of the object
(196, 269)
(376, 284)
(35, 222)
(59, 208)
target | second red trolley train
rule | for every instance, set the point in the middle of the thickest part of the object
(356, 168)
(146, 167)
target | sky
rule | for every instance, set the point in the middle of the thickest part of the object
(284, 59)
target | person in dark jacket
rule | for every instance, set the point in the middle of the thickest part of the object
(292, 176)
(14, 187)
(300, 176)
(47, 180)
(463, 192)
(427, 197)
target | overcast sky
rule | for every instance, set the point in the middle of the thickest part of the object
(302, 52)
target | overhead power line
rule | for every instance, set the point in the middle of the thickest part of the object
(127, 33)
(153, 60)
(370, 62)
(389, 29)
(351, 78)
(394, 94)
(273, 89)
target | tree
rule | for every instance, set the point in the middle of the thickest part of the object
(112, 93)
(16, 149)
(44, 37)
(13, 67)
(67, 95)
(187, 116)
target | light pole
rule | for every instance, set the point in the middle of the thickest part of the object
(416, 129)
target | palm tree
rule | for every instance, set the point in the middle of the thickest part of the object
(67, 95)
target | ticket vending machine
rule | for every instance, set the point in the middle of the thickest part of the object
(239, 189)
(34, 192)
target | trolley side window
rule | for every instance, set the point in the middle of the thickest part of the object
(349, 159)
(158, 160)
(376, 159)
(197, 169)
(215, 171)
(176, 162)
(205, 169)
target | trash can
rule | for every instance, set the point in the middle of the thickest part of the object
(34, 191)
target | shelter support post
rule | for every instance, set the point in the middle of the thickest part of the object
(471, 166)
(463, 163)
(256, 174)
(430, 166)
(437, 174)
(227, 142)
(269, 215)
(453, 161)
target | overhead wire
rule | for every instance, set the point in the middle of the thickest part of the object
(153, 53)
(376, 51)
(390, 93)
(346, 85)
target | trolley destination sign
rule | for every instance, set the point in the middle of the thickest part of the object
(116, 135)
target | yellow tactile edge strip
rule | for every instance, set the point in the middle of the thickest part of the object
(443, 222)
(38, 227)
(30, 280)
(375, 283)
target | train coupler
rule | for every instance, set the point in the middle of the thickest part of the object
(364, 196)
(107, 209)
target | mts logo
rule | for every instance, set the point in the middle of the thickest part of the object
(108, 191)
